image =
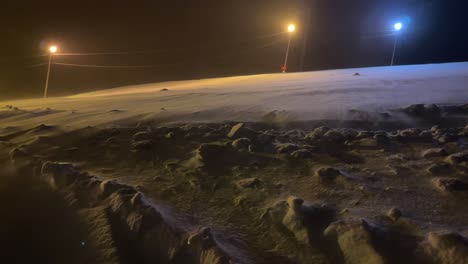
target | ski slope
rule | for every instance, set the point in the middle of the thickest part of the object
(306, 96)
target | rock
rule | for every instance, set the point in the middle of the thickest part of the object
(141, 136)
(434, 152)
(164, 90)
(294, 134)
(440, 168)
(252, 148)
(334, 135)
(249, 183)
(241, 143)
(457, 158)
(365, 143)
(394, 214)
(59, 175)
(415, 109)
(172, 165)
(293, 219)
(110, 186)
(382, 138)
(265, 139)
(450, 185)
(409, 133)
(144, 145)
(354, 239)
(317, 133)
(235, 130)
(202, 245)
(277, 116)
(302, 154)
(327, 173)
(446, 248)
(211, 152)
(385, 115)
(420, 110)
(349, 157)
(434, 129)
(170, 135)
(286, 148)
(349, 134)
(365, 134)
(426, 135)
(446, 137)
(357, 74)
(306, 222)
(18, 153)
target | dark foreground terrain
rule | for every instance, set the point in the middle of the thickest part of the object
(368, 190)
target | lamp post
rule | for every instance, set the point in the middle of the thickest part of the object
(397, 27)
(291, 29)
(52, 51)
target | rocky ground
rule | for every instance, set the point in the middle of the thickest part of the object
(368, 190)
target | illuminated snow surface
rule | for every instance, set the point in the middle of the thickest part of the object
(305, 96)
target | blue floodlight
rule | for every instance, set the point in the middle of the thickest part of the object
(398, 26)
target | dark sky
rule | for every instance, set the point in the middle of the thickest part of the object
(188, 39)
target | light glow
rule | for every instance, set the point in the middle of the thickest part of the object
(398, 26)
(291, 28)
(53, 49)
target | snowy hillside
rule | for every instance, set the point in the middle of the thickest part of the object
(305, 96)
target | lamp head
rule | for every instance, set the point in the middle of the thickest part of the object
(398, 26)
(53, 49)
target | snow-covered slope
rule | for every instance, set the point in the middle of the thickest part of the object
(308, 96)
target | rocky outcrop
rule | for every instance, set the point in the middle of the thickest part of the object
(354, 240)
(153, 235)
(446, 248)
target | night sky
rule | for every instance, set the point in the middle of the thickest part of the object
(200, 39)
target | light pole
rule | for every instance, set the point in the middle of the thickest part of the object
(52, 50)
(397, 27)
(291, 29)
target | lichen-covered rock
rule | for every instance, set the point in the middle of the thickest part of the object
(457, 158)
(265, 139)
(202, 246)
(241, 143)
(294, 134)
(302, 154)
(317, 133)
(252, 148)
(237, 131)
(446, 248)
(17, 154)
(434, 152)
(364, 143)
(210, 153)
(421, 110)
(394, 214)
(294, 219)
(354, 239)
(409, 133)
(327, 174)
(306, 222)
(110, 186)
(381, 138)
(450, 185)
(144, 145)
(440, 168)
(59, 175)
(141, 136)
(365, 134)
(249, 183)
(286, 148)
(334, 135)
